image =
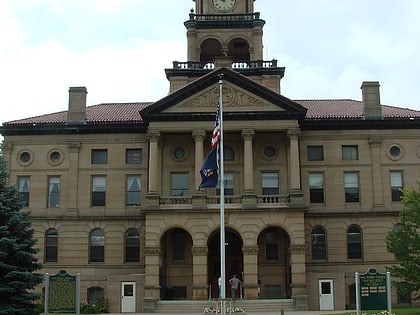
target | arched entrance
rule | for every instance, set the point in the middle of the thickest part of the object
(176, 269)
(274, 269)
(234, 259)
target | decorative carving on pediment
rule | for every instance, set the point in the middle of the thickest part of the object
(231, 98)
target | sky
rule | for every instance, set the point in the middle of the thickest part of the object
(119, 49)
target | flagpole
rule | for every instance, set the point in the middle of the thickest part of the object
(222, 203)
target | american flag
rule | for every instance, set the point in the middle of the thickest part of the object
(215, 139)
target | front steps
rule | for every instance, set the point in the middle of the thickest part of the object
(253, 306)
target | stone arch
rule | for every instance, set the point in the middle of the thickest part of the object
(239, 49)
(234, 258)
(209, 49)
(176, 264)
(274, 262)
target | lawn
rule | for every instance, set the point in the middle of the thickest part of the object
(396, 311)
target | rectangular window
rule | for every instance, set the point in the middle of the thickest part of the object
(179, 182)
(270, 183)
(133, 190)
(396, 185)
(316, 187)
(98, 190)
(99, 156)
(351, 186)
(23, 189)
(133, 156)
(315, 153)
(54, 188)
(350, 152)
(228, 185)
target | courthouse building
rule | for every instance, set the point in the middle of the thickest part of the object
(311, 187)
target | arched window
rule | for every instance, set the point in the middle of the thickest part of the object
(132, 246)
(51, 245)
(354, 242)
(97, 246)
(318, 243)
(95, 295)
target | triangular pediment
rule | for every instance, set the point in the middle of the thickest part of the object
(243, 99)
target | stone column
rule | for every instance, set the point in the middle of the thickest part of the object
(198, 136)
(248, 136)
(250, 272)
(151, 284)
(153, 136)
(200, 286)
(298, 277)
(378, 194)
(294, 159)
(72, 206)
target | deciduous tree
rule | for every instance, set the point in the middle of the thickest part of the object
(404, 243)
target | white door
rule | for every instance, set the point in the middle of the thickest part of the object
(128, 297)
(326, 295)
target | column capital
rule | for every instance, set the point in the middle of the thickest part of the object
(248, 134)
(74, 147)
(199, 134)
(293, 132)
(153, 135)
(375, 142)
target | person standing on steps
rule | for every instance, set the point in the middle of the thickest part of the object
(234, 286)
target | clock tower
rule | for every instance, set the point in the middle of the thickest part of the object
(225, 33)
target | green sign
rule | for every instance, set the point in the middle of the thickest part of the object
(62, 292)
(373, 294)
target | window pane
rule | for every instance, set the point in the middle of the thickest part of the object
(270, 183)
(354, 243)
(23, 188)
(315, 153)
(51, 245)
(319, 250)
(54, 191)
(95, 295)
(179, 184)
(99, 156)
(132, 246)
(178, 246)
(228, 153)
(133, 156)
(133, 190)
(228, 185)
(97, 246)
(271, 246)
(350, 152)
(98, 190)
(351, 187)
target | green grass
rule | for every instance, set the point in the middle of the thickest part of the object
(396, 311)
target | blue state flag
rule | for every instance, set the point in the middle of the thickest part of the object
(209, 170)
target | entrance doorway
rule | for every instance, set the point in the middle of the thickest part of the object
(128, 297)
(326, 295)
(233, 260)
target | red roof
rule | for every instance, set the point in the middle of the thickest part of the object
(129, 112)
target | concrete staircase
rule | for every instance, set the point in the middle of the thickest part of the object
(197, 307)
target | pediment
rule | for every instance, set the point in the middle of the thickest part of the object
(235, 99)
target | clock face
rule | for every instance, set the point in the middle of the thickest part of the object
(223, 5)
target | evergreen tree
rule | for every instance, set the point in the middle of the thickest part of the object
(404, 243)
(18, 262)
